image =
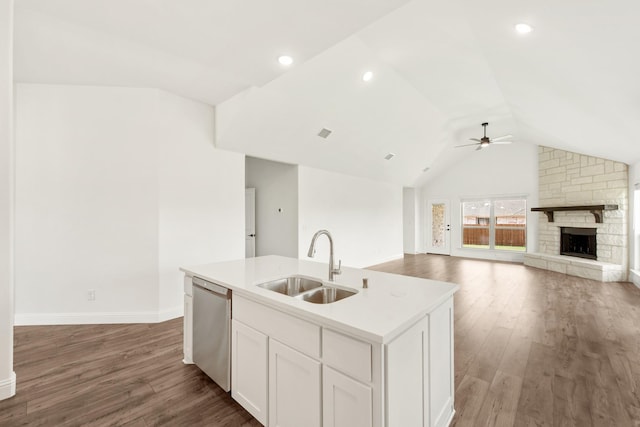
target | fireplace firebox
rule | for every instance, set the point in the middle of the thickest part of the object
(578, 242)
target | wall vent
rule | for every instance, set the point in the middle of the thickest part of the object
(324, 133)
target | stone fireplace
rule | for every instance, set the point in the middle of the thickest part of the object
(598, 247)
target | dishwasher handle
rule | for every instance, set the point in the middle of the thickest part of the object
(211, 287)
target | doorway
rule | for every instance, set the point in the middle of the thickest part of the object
(438, 227)
(249, 222)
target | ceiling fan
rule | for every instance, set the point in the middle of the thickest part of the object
(485, 141)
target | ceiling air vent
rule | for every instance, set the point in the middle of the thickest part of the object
(324, 133)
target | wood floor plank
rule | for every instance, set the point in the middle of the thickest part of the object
(470, 396)
(501, 403)
(536, 398)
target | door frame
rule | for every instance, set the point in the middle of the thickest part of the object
(249, 238)
(446, 250)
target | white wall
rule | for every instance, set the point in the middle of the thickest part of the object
(507, 170)
(409, 220)
(111, 183)
(363, 216)
(276, 187)
(200, 198)
(7, 376)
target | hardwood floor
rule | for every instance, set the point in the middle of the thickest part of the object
(99, 375)
(532, 348)
(538, 348)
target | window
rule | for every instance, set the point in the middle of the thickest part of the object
(495, 224)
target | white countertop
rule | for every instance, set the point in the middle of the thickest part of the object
(390, 305)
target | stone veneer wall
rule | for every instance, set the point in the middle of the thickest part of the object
(570, 179)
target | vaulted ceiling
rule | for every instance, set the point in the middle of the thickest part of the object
(440, 68)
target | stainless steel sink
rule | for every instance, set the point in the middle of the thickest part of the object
(292, 286)
(307, 289)
(325, 295)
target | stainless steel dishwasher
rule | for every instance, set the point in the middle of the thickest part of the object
(212, 331)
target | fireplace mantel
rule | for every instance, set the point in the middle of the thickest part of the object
(596, 210)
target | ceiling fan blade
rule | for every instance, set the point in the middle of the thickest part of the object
(465, 145)
(474, 139)
(501, 137)
(501, 142)
(479, 148)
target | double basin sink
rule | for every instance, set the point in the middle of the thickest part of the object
(308, 289)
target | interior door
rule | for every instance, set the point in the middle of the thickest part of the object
(250, 222)
(438, 227)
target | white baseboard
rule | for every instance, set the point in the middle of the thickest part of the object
(507, 256)
(24, 319)
(8, 387)
(171, 313)
(389, 259)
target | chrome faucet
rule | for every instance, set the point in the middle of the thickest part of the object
(312, 251)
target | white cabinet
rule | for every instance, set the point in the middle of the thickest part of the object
(294, 388)
(347, 403)
(441, 370)
(419, 371)
(292, 372)
(249, 359)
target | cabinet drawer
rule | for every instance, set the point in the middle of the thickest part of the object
(346, 354)
(296, 333)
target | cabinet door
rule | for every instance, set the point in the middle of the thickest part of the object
(347, 403)
(441, 368)
(249, 369)
(407, 378)
(294, 388)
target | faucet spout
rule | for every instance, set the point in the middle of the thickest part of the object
(312, 251)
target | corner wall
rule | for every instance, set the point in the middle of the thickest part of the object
(363, 216)
(117, 188)
(200, 196)
(409, 220)
(7, 202)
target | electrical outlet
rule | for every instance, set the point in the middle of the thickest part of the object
(91, 295)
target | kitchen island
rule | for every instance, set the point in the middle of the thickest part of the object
(381, 357)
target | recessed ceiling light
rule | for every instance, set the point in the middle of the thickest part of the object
(367, 76)
(389, 156)
(523, 28)
(285, 60)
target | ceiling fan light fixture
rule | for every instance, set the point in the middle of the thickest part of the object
(484, 144)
